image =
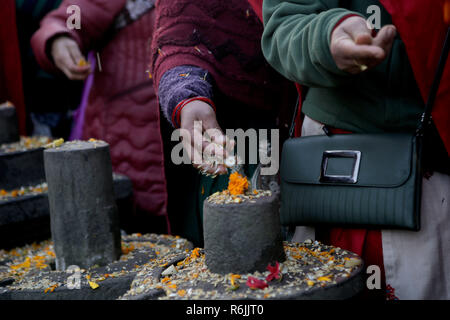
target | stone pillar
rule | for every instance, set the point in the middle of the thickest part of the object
(242, 237)
(9, 126)
(83, 212)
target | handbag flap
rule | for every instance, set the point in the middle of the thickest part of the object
(373, 160)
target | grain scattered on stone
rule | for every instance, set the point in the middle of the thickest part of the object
(25, 144)
(224, 197)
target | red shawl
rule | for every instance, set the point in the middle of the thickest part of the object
(422, 28)
(423, 40)
(10, 67)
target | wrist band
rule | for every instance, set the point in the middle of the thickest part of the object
(176, 114)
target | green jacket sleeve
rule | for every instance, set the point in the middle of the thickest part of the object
(296, 40)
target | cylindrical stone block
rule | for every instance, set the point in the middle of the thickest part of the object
(83, 212)
(9, 126)
(242, 237)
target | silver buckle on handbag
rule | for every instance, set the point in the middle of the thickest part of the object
(353, 178)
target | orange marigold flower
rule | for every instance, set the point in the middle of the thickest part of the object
(165, 279)
(14, 253)
(326, 278)
(51, 289)
(50, 253)
(82, 63)
(128, 249)
(233, 278)
(237, 184)
(195, 253)
(25, 265)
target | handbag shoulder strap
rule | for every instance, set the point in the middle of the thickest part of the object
(425, 120)
(293, 122)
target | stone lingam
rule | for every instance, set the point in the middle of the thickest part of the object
(242, 231)
(83, 211)
(244, 257)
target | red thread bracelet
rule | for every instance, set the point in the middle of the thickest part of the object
(176, 114)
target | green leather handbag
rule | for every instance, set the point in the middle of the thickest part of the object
(352, 179)
(356, 180)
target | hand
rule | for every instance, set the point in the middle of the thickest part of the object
(67, 56)
(217, 144)
(355, 50)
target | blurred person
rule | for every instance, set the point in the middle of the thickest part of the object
(208, 66)
(360, 79)
(121, 107)
(49, 99)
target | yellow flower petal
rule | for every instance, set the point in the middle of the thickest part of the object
(327, 279)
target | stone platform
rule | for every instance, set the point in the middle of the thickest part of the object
(26, 273)
(311, 271)
(167, 268)
(22, 164)
(27, 217)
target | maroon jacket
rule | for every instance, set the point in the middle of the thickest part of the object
(122, 108)
(222, 37)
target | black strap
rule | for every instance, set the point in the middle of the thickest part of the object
(425, 120)
(293, 123)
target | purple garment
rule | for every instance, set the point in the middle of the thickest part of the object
(78, 117)
(180, 83)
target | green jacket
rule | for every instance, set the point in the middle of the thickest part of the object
(296, 43)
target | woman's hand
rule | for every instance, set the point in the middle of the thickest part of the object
(355, 50)
(198, 149)
(67, 56)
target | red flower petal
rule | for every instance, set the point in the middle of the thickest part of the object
(254, 283)
(274, 272)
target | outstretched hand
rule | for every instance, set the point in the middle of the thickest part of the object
(67, 56)
(217, 145)
(355, 50)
